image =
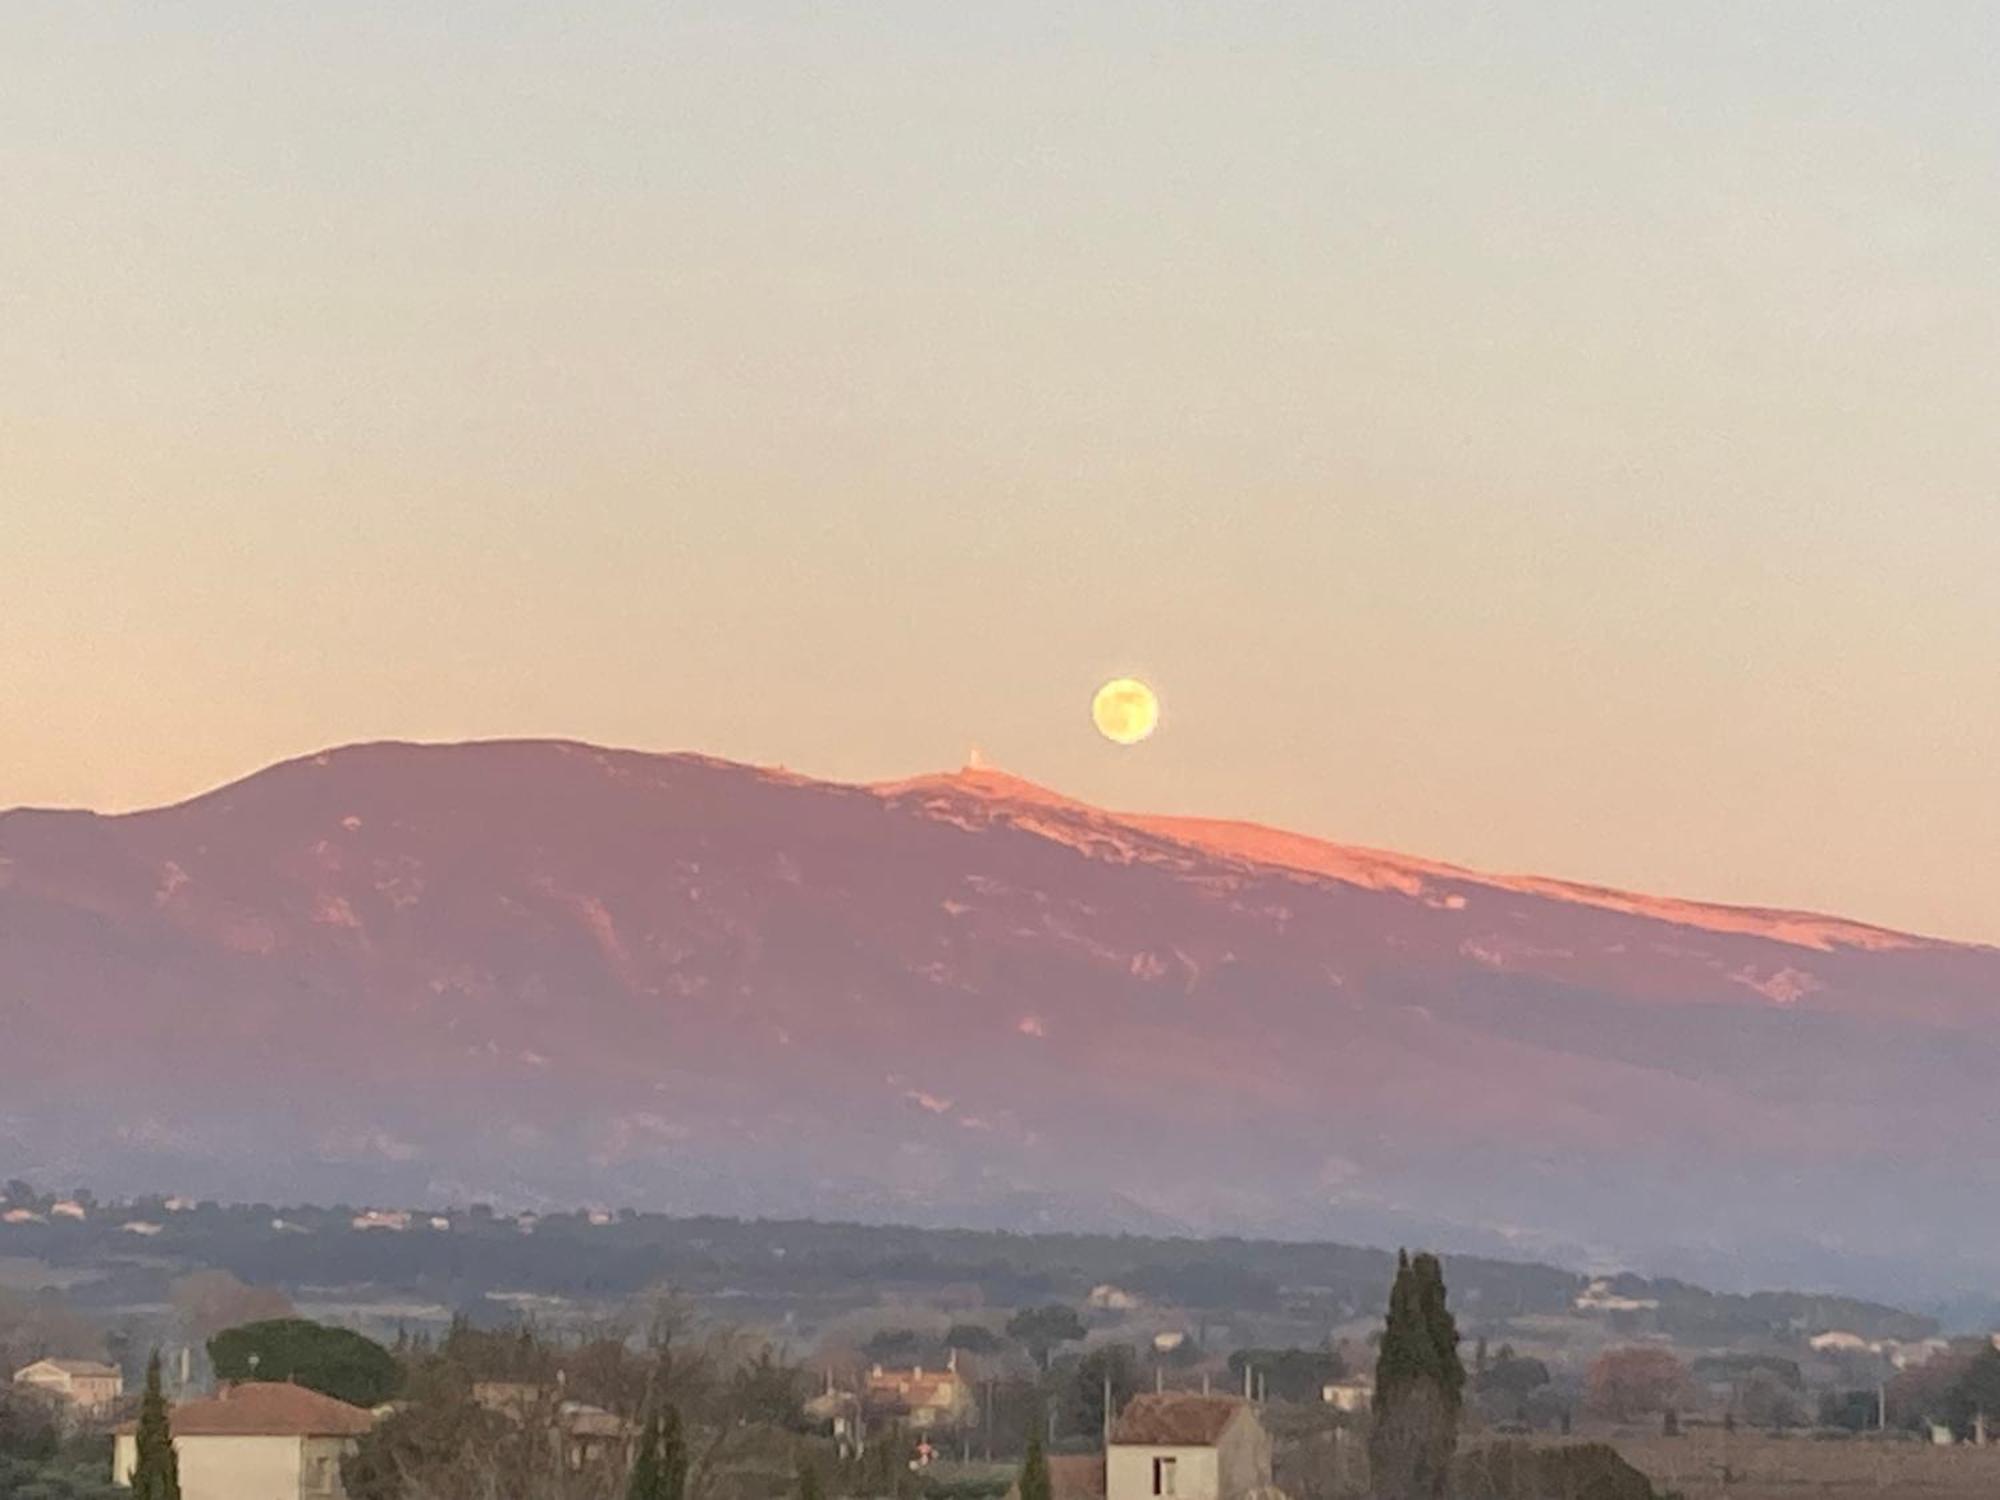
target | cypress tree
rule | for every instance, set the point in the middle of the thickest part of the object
(644, 1482)
(1419, 1387)
(157, 1473)
(1442, 1329)
(673, 1456)
(1035, 1469)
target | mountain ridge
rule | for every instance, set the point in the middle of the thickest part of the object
(699, 985)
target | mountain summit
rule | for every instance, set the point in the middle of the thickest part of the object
(539, 970)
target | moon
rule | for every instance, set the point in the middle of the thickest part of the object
(1125, 711)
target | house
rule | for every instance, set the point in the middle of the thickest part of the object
(589, 1436)
(927, 1399)
(84, 1384)
(836, 1414)
(394, 1219)
(1356, 1393)
(256, 1441)
(1188, 1447)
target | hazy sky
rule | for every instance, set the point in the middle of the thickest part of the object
(1532, 435)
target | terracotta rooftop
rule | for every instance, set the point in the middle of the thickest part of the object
(1176, 1420)
(266, 1409)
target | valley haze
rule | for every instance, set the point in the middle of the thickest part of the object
(541, 972)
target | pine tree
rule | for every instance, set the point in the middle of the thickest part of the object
(157, 1473)
(1419, 1387)
(1035, 1469)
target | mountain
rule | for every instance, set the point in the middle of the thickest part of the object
(543, 971)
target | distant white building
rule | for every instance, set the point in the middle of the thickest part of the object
(1173, 1446)
(1356, 1393)
(394, 1219)
(84, 1384)
(1839, 1341)
(1598, 1297)
(69, 1208)
(1109, 1298)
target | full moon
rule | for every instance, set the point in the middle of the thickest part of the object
(1125, 711)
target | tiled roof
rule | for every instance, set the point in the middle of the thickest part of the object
(1175, 1420)
(266, 1409)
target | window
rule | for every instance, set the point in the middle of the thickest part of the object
(1163, 1476)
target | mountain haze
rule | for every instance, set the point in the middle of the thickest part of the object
(543, 971)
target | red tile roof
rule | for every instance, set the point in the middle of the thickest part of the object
(266, 1409)
(1176, 1420)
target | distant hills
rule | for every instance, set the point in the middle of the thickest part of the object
(545, 972)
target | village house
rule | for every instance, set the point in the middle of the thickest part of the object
(255, 1441)
(926, 1399)
(589, 1436)
(1175, 1446)
(82, 1384)
(1355, 1393)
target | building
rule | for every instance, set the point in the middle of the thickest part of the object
(926, 1399)
(256, 1441)
(589, 1436)
(1602, 1297)
(84, 1384)
(1356, 1393)
(1188, 1447)
(836, 1414)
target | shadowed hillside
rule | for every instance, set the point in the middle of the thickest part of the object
(534, 970)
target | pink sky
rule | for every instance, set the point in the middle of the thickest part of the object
(1562, 447)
